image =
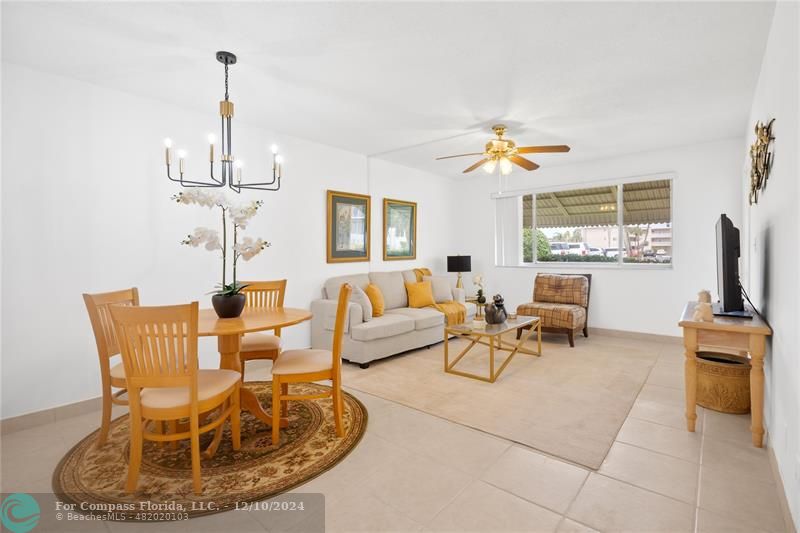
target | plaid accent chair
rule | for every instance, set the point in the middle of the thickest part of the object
(561, 301)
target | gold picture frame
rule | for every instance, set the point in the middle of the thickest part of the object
(399, 230)
(347, 227)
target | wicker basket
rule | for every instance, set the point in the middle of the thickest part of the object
(723, 382)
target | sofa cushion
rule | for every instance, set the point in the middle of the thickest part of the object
(424, 318)
(375, 299)
(555, 315)
(333, 285)
(409, 276)
(360, 297)
(561, 289)
(387, 325)
(392, 287)
(442, 291)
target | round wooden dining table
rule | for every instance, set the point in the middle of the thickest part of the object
(229, 333)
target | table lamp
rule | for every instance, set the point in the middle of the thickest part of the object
(459, 263)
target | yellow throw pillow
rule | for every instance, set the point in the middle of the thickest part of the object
(420, 294)
(376, 299)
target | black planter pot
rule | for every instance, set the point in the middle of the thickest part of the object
(228, 306)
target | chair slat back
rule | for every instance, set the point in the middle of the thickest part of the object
(338, 329)
(264, 293)
(158, 344)
(97, 306)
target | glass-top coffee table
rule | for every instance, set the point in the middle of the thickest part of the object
(491, 335)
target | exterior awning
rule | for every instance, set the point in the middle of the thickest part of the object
(644, 203)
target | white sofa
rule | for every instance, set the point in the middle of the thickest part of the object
(401, 328)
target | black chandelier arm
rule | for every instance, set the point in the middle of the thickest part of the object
(263, 186)
(190, 183)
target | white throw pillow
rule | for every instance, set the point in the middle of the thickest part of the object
(441, 288)
(360, 297)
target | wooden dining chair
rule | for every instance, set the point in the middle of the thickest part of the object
(111, 377)
(263, 295)
(159, 351)
(295, 366)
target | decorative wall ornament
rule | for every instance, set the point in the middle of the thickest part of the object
(399, 230)
(348, 227)
(230, 167)
(760, 159)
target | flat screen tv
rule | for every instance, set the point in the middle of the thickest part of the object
(730, 292)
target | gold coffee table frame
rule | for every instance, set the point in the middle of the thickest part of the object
(478, 331)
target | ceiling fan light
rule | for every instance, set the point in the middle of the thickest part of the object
(489, 166)
(505, 166)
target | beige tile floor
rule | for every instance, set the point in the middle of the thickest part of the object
(417, 472)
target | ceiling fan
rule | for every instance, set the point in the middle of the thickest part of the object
(503, 152)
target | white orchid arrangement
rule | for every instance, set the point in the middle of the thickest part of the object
(240, 216)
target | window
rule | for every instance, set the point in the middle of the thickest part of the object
(626, 222)
(647, 222)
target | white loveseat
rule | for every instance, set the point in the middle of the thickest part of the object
(401, 328)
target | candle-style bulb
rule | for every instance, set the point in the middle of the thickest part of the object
(168, 142)
(279, 159)
(181, 154)
(211, 138)
(238, 166)
(274, 148)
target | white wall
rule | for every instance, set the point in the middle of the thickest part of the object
(771, 231)
(634, 299)
(86, 208)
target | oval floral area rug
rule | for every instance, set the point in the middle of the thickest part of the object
(96, 476)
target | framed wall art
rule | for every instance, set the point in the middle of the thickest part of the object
(348, 227)
(399, 230)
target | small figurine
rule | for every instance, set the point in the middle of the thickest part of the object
(703, 312)
(704, 296)
(496, 312)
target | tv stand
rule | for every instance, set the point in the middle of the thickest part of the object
(744, 313)
(728, 333)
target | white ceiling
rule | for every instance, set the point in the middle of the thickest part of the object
(412, 81)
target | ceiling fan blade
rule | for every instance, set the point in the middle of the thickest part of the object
(476, 165)
(542, 149)
(459, 155)
(524, 163)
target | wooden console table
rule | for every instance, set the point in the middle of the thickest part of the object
(727, 333)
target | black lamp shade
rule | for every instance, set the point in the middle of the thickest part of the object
(459, 263)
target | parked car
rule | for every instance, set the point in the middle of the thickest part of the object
(663, 257)
(596, 251)
(559, 248)
(578, 248)
(614, 252)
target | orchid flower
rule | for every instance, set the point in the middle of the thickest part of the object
(202, 198)
(206, 236)
(249, 247)
(241, 215)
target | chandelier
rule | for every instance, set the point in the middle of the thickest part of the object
(230, 168)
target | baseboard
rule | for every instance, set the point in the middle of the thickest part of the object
(47, 416)
(637, 335)
(787, 514)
